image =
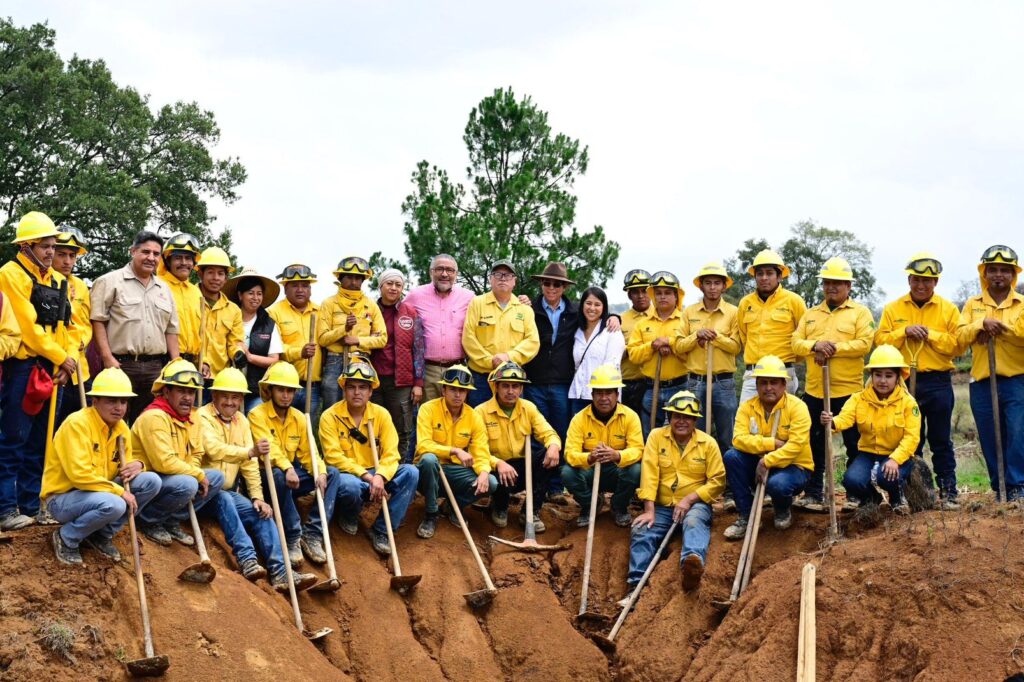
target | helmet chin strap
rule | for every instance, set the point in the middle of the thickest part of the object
(26, 249)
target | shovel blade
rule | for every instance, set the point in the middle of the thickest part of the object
(530, 545)
(332, 585)
(198, 573)
(154, 666)
(603, 643)
(4, 538)
(722, 605)
(317, 634)
(479, 599)
(403, 583)
(593, 617)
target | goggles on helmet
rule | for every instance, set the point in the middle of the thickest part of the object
(926, 266)
(182, 241)
(664, 278)
(360, 372)
(188, 378)
(70, 236)
(296, 272)
(456, 376)
(354, 263)
(999, 254)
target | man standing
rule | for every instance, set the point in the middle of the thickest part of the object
(634, 385)
(223, 332)
(177, 262)
(70, 246)
(292, 316)
(134, 321)
(923, 326)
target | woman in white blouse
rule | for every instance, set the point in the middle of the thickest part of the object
(593, 346)
(262, 346)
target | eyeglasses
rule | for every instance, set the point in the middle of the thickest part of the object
(357, 436)
(442, 270)
(503, 276)
(188, 378)
(552, 284)
(1000, 251)
(296, 272)
(925, 266)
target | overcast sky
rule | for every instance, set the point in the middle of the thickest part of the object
(708, 123)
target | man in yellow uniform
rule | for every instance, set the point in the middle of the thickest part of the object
(70, 246)
(635, 285)
(653, 336)
(498, 327)
(451, 434)
(10, 332)
(345, 435)
(606, 434)
(229, 448)
(998, 314)
(923, 326)
(284, 428)
(292, 315)
(82, 482)
(681, 476)
(770, 444)
(32, 290)
(838, 331)
(510, 420)
(223, 332)
(767, 318)
(349, 321)
(177, 261)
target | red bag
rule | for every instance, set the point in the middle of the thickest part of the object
(38, 391)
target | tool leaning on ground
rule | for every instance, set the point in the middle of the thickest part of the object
(657, 392)
(830, 465)
(152, 665)
(595, 496)
(81, 385)
(710, 387)
(914, 350)
(399, 583)
(529, 543)
(479, 598)
(808, 631)
(993, 384)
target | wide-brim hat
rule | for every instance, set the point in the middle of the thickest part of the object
(555, 271)
(271, 289)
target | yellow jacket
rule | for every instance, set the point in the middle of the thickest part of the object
(168, 446)
(1009, 345)
(766, 327)
(293, 326)
(437, 433)
(506, 435)
(641, 352)
(347, 454)
(668, 474)
(630, 370)
(223, 333)
(851, 328)
(887, 427)
(227, 449)
(330, 323)
(622, 432)
(289, 438)
(724, 321)
(80, 331)
(942, 319)
(84, 455)
(10, 332)
(489, 330)
(752, 432)
(35, 340)
(187, 300)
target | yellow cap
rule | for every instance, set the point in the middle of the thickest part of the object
(716, 269)
(230, 380)
(886, 356)
(770, 367)
(111, 383)
(836, 268)
(606, 377)
(768, 257)
(34, 226)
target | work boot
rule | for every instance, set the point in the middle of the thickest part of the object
(728, 503)
(427, 526)
(66, 555)
(349, 524)
(176, 533)
(901, 508)
(12, 520)
(623, 519)
(499, 517)
(303, 581)
(157, 534)
(313, 548)
(380, 542)
(538, 524)
(45, 518)
(252, 571)
(295, 554)
(624, 602)
(811, 503)
(693, 569)
(737, 530)
(783, 519)
(851, 503)
(583, 520)
(949, 504)
(453, 518)
(103, 545)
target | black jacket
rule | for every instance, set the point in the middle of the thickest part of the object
(554, 363)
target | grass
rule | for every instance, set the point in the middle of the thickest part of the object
(58, 638)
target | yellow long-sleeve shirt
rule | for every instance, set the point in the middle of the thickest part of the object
(222, 334)
(942, 319)
(641, 352)
(288, 437)
(84, 455)
(80, 330)
(334, 311)
(887, 427)
(343, 451)
(725, 347)
(507, 434)
(489, 330)
(36, 341)
(227, 447)
(168, 446)
(622, 432)
(753, 429)
(630, 370)
(766, 327)
(188, 300)
(668, 472)
(293, 325)
(1009, 345)
(851, 328)
(10, 332)
(437, 432)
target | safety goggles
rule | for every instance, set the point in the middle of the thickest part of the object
(70, 236)
(182, 241)
(297, 272)
(457, 377)
(664, 279)
(509, 374)
(926, 266)
(187, 378)
(354, 264)
(361, 372)
(999, 254)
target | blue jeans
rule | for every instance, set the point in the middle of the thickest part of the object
(86, 513)
(169, 505)
(665, 393)
(461, 479)
(621, 482)
(644, 542)
(577, 405)
(501, 496)
(354, 492)
(330, 391)
(293, 528)
(857, 479)
(299, 402)
(783, 484)
(851, 436)
(482, 393)
(242, 526)
(553, 402)
(254, 400)
(935, 400)
(1011, 422)
(22, 440)
(723, 406)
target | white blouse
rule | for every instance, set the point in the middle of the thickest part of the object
(605, 348)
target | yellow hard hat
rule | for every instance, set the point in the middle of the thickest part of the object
(886, 356)
(215, 255)
(770, 367)
(458, 376)
(636, 279)
(509, 371)
(111, 383)
(362, 371)
(998, 254)
(664, 278)
(606, 377)
(230, 380)
(178, 372)
(716, 269)
(34, 226)
(836, 268)
(296, 272)
(685, 403)
(353, 265)
(72, 237)
(281, 374)
(768, 257)
(924, 264)
(181, 242)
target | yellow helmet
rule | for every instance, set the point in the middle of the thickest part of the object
(684, 402)
(111, 383)
(361, 370)
(636, 279)
(716, 269)
(770, 367)
(924, 264)
(215, 255)
(768, 257)
(998, 254)
(606, 377)
(281, 374)
(178, 372)
(508, 371)
(458, 376)
(181, 242)
(836, 268)
(664, 278)
(353, 265)
(296, 272)
(230, 380)
(886, 356)
(72, 237)
(34, 226)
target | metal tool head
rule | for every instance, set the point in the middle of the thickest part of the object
(603, 643)
(4, 538)
(531, 545)
(722, 605)
(480, 599)
(202, 572)
(331, 585)
(402, 584)
(593, 617)
(314, 635)
(153, 666)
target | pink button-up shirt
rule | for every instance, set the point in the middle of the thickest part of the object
(442, 317)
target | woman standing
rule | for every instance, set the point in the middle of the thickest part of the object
(593, 346)
(261, 346)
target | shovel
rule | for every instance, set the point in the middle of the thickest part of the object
(994, 388)
(203, 572)
(830, 465)
(480, 598)
(710, 388)
(913, 364)
(399, 583)
(657, 392)
(584, 614)
(529, 543)
(81, 385)
(322, 632)
(152, 665)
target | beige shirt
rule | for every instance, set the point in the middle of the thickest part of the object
(138, 317)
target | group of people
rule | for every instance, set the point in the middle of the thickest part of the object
(437, 389)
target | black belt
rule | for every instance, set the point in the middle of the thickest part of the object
(721, 376)
(667, 383)
(788, 364)
(446, 365)
(141, 358)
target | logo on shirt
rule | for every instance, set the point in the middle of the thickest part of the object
(405, 322)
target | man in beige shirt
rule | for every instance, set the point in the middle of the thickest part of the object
(134, 321)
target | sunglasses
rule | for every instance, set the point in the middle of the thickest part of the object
(357, 436)
(297, 272)
(926, 266)
(1004, 253)
(552, 283)
(187, 378)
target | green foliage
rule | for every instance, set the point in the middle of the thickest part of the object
(518, 204)
(93, 155)
(379, 263)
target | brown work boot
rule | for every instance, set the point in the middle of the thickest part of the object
(693, 569)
